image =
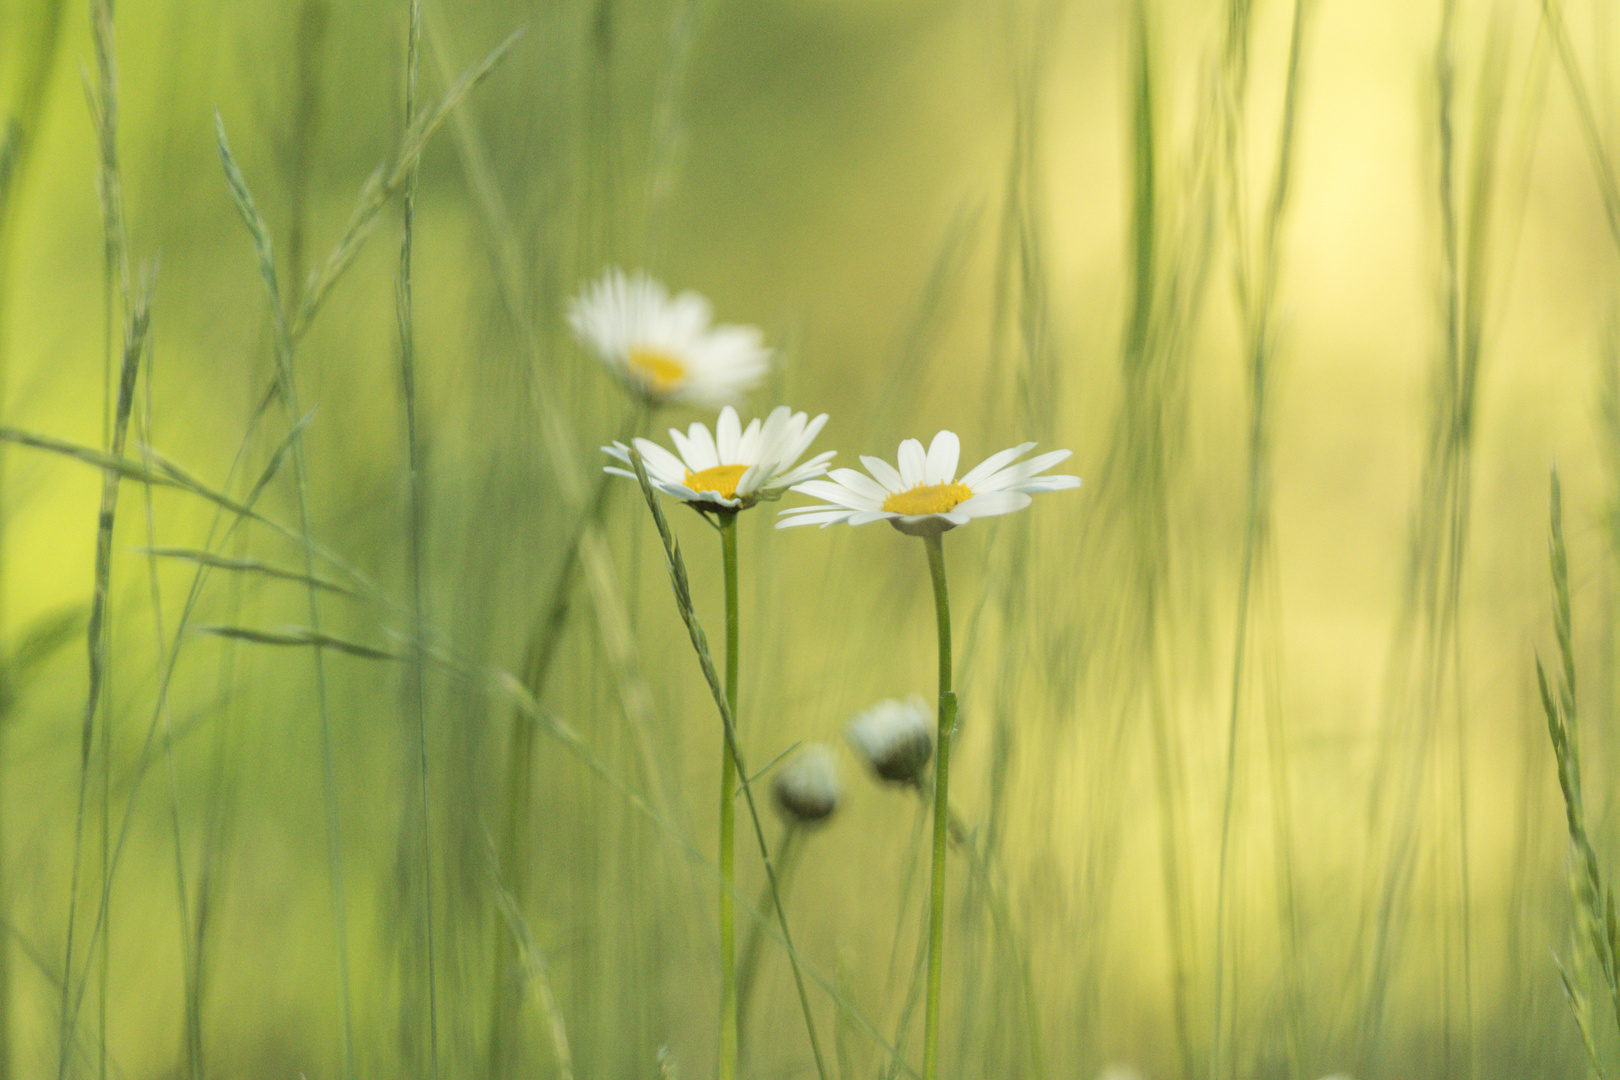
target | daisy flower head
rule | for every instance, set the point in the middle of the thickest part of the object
(662, 348)
(923, 497)
(735, 467)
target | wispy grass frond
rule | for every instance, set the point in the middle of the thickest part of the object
(252, 567)
(302, 636)
(1596, 942)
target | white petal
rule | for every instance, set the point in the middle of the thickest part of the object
(683, 446)
(1012, 476)
(749, 481)
(677, 491)
(703, 454)
(991, 503)
(860, 484)
(748, 446)
(618, 450)
(822, 518)
(995, 461)
(1049, 483)
(727, 435)
(884, 473)
(661, 464)
(816, 466)
(943, 452)
(867, 516)
(835, 493)
(803, 436)
(913, 464)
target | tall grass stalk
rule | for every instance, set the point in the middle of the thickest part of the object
(385, 181)
(1427, 653)
(103, 99)
(314, 18)
(546, 635)
(416, 528)
(116, 278)
(1257, 279)
(942, 806)
(287, 390)
(1591, 126)
(97, 646)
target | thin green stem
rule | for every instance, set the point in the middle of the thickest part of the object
(728, 815)
(942, 773)
(414, 536)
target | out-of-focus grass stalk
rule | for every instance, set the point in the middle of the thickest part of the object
(415, 531)
(1591, 128)
(1427, 653)
(17, 132)
(314, 17)
(118, 407)
(388, 179)
(1001, 916)
(700, 644)
(728, 812)
(116, 275)
(103, 99)
(545, 635)
(287, 390)
(1256, 289)
(942, 806)
(96, 635)
(1149, 387)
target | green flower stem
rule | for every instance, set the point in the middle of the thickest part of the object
(728, 815)
(942, 772)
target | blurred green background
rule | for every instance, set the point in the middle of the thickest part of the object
(1252, 762)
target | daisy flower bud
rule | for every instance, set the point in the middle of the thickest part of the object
(895, 738)
(806, 786)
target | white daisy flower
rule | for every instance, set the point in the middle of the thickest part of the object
(923, 497)
(735, 467)
(895, 738)
(663, 349)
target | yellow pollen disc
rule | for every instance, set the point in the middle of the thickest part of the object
(722, 480)
(927, 499)
(658, 370)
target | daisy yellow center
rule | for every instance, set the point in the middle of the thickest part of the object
(722, 480)
(657, 369)
(927, 499)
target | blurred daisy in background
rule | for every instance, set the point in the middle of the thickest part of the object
(923, 497)
(662, 348)
(733, 468)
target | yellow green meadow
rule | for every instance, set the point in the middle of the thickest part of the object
(1205, 665)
